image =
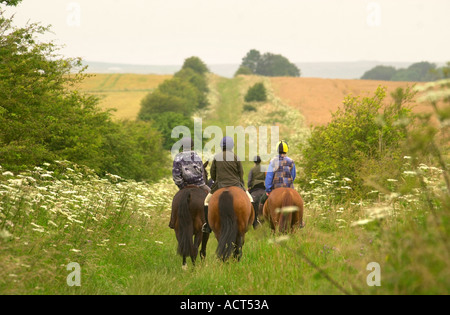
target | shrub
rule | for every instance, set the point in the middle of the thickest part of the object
(44, 118)
(256, 93)
(196, 64)
(363, 130)
(249, 108)
(268, 64)
(243, 70)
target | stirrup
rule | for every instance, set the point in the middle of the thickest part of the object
(206, 229)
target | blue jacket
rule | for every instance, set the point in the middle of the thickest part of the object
(281, 173)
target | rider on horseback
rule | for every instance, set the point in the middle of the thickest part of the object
(226, 171)
(188, 170)
(256, 186)
(281, 172)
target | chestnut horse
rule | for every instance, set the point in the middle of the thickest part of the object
(284, 209)
(189, 219)
(230, 215)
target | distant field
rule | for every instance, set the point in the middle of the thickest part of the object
(317, 98)
(122, 92)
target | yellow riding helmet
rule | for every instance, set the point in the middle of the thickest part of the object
(283, 147)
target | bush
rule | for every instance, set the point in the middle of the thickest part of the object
(44, 118)
(362, 131)
(256, 93)
(165, 122)
(249, 108)
(243, 70)
(383, 73)
(176, 99)
(196, 64)
(268, 64)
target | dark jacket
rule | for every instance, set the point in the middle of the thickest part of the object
(188, 170)
(256, 178)
(226, 171)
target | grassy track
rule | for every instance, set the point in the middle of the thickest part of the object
(118, 230)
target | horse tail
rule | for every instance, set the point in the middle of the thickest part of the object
(286, 214)
(186, 225)
(228, 226)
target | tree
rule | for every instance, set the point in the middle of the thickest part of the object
(418, 72)
(196, 64)
(251, 60)
(276, 66)
(10, 2)
(198, 81)
(243, 70)
(269, 64)
(256, 93)
(383, 73)
(43, 117)
(362, 131)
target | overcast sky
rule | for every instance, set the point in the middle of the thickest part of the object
(165, 32)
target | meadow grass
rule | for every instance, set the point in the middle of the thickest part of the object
(121, 92)
(117, 230)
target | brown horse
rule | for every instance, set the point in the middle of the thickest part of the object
(189, 219)
(230, 215)
(284, 209)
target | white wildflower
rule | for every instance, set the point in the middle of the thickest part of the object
(361, 222)
(5, 235)
(8, 173)
(75, 250)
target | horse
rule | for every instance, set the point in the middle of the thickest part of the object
(284, 209)
(189, 219)
(230, 215)
(257, 194)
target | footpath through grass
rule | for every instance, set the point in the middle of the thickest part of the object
(117, 231)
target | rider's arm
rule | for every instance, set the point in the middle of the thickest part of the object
(269, 179)
(213, 170)
(293, 172)
(250, 179)
(177, 174)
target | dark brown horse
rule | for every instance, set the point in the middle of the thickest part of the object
(284, 209)
(230, 215)
(189, 219)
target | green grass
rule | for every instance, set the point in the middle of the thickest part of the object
(117, 230)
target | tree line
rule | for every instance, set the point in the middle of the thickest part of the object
(176, 99)
(43, 116)
(417, 72)
(267, 64)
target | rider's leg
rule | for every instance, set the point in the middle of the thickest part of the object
(206, 228)
(172, 217)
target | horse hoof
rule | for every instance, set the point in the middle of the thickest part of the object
(184, 267)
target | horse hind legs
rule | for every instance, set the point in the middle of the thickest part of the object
(238, 248)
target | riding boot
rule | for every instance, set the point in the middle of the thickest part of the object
(256, 222)
(206, 228)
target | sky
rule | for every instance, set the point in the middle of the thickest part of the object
(165, 32)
